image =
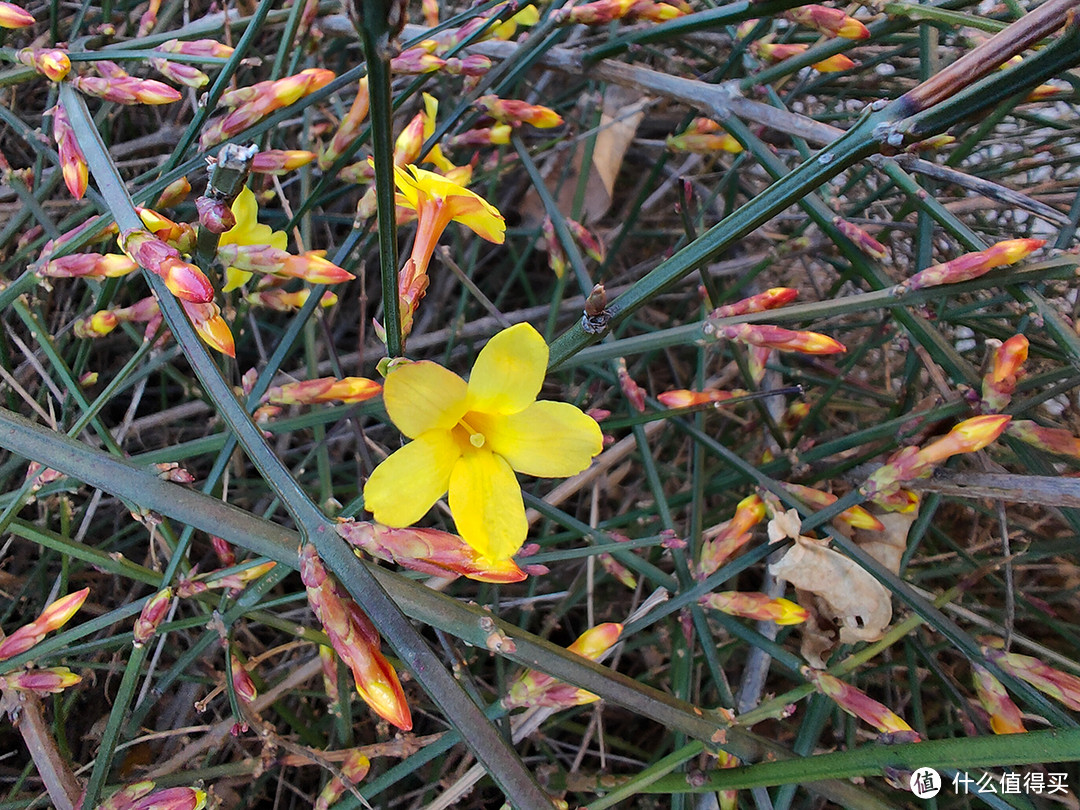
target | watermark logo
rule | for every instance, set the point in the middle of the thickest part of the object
(925, 783)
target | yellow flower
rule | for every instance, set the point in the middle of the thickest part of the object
(248, 231)
(438, 201)
(469, 438)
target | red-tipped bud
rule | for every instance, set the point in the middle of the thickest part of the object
(973, 265)
(1051, 440)
(89, 265)
(856, 517)
(473, 64)
(1004, 715)
(485, 136)
(324, 389)
(125, 797)
(315, 268)
(185, 281)
(856, 703)
(776, 337)
(1006, 362)
(1061, 686)
(282, 301)
(429, 551)
(773, 298)
(776, 51)
(355, 640)
(127, 89)
(511, 111)
(349, 128)
(55, 616)
(181, 73)
(864, 241)
(41, 682)
(535, 688)
(72, 161)
(174, 194)
(618, 571)
(633, 392)
(49, 62)
(837, 63)
(354, 768)
(966, 437)
(153, 614)
(177, 798)
(722, 541)
(214, 215)
(683, 398)
(830, 21)
(241, 680)
(11, 16)
(197, 47)
(279, 161)
(172, 471)
(704, 136)
(416, 61)
(756, 606)
(210, 326)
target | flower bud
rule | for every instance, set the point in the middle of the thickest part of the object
(758, 606)
(854, 518)
(55, 616)
(416, 61)
(279, 161)
(973, 265)
(178, 234)
(430, 551)
(181, 73)
(486, 136)
(856, 703)
(722, 541)
(684, 398)
(214, 215)
(97, 325)
(773, 52)
(11, 16)
(534, 688)
(864, 241)
(177, 798)
(773, 298)
(354, 768)
(127, 89)
(349, 128)
(174, 194)
(837, 63)
(473, 64)
(72, 161)
(633, 392)
(324, 389)
(197, 47)
(1051, 440)
(41, 682)
(49, 62)
(776, 337)
(185, 281)
(1061, 686)
(241, 680)
(355, 640)
(830, 21)
(152, 615)
(514, 112)
(1005, 716)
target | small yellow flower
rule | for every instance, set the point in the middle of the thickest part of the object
(470, 438)
(248, 231)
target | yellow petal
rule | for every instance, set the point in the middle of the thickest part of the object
(484, 219)
(424, 396)
(235, 278)
(407, 186)
(467, 207)
(547, 439)
(408, 482)
(485, 500)
(509, 371)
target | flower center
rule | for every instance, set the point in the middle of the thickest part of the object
(476, 438)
